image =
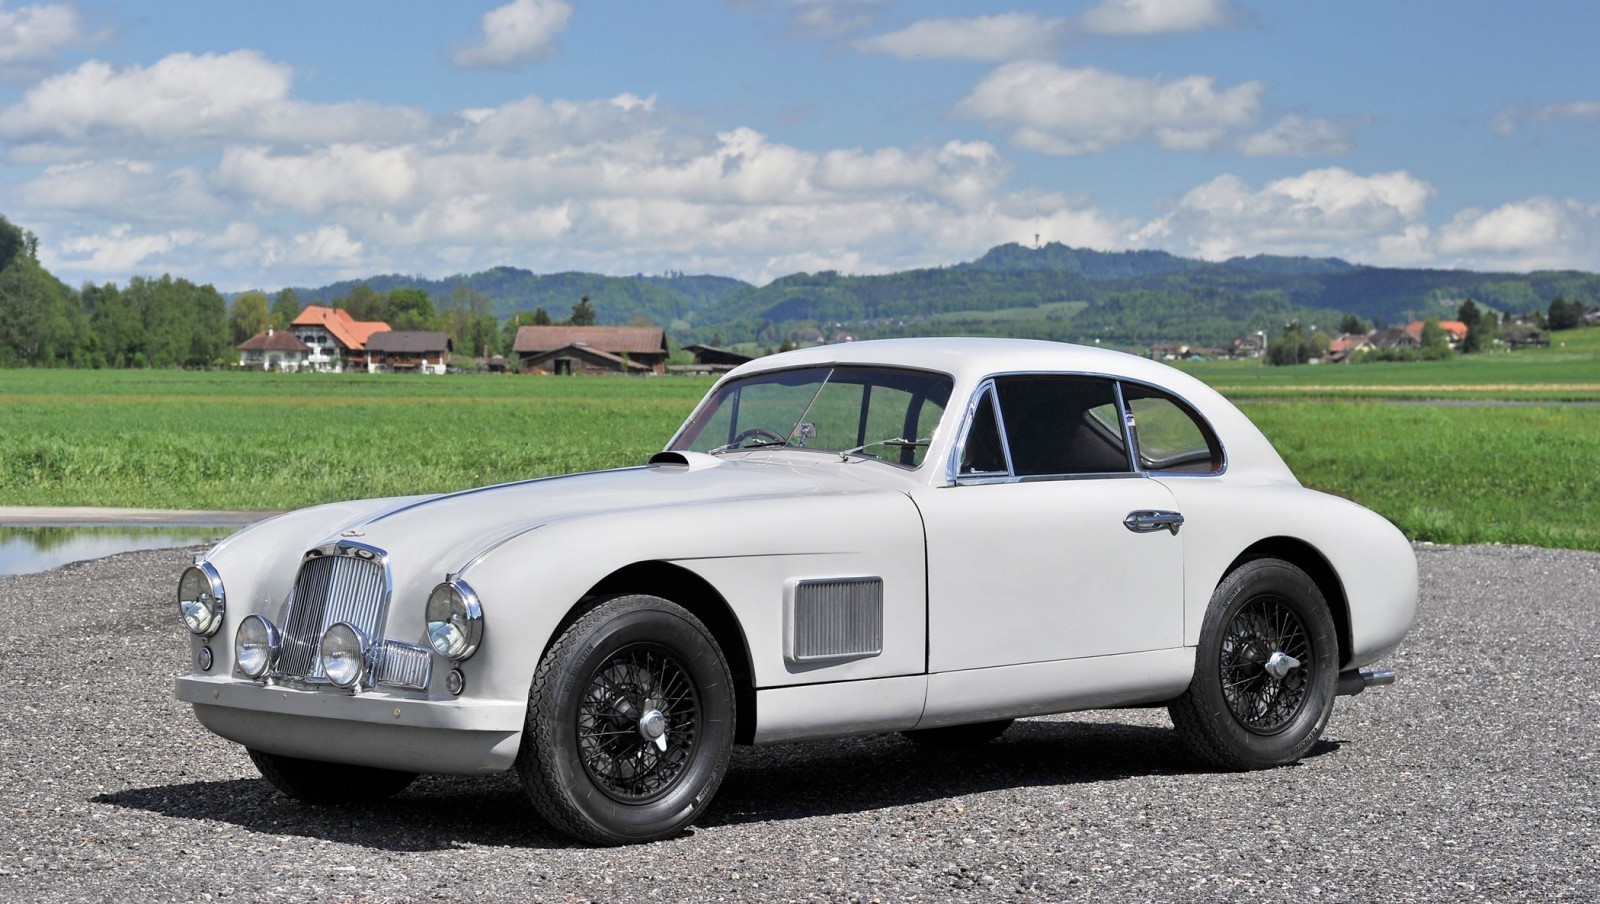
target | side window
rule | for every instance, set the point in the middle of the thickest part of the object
(984, 455)
(1169, 435)
(1058, 425)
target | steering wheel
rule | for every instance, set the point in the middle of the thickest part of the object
(761, 432)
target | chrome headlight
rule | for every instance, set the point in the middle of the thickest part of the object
(255, 645)
(200, 599)
(344, 655)
(455, 620)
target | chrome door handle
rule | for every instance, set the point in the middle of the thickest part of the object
(1147, 521)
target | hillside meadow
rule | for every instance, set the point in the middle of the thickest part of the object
(1481, 449)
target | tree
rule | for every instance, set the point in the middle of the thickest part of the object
(1354, 325)
(1472, 318)
(365, 304)
(411, 309)
(250, 316)
(1565, 315)
(582, 313)
(285, 308)
(1435, 344)
(541, 317)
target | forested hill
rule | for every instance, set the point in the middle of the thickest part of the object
(1130, 296)
(666, 299)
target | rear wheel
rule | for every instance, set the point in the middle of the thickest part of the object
(1265, 671)
(315, 782)
(630, 723)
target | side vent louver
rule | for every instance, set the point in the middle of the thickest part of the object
(834, 620)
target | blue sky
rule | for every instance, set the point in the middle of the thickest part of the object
(258, 145)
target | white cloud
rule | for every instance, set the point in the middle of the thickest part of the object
(1508, 121)
(338, 176)
(1007, 36)
(1536, 233)
(185, 99)
(1298, 136)
(833, 18)
(1076, 111)
(120, 250)
(31, 37)
(1143, 17)
(1324, 212)
(519, 32)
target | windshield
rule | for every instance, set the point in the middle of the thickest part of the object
(874, 412)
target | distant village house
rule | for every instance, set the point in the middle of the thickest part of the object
(394, 351)
(274, 350)
(592, 349)
(338, 341)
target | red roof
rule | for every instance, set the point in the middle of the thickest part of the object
(346, 330)
(617, 340)
(273, 341)
(1455, 328)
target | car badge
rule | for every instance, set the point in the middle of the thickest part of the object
(354, 533)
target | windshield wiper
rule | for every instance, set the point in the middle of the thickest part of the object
(898, 442)
(744, 445)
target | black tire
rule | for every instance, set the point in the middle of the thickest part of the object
(329, 784)
(589, 762)
(954, 737)
(1241, 710)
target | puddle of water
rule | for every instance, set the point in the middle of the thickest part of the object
(24, 550)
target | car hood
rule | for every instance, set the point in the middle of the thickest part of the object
(441, 534)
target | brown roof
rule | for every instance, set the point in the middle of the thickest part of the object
(408, 342)
(273, 341)
(590, 352)
(350, 332)
(616, 340)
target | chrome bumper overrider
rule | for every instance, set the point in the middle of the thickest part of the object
(1355, 682)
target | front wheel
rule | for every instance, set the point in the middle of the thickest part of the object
(315, 782)
(630, 723)
(1265, 671)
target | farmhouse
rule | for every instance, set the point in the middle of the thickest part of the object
(592, 349)
(273, 350)
(337, 340)
(708, 359)
(398, 351)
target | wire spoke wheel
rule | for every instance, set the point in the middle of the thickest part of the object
(1262, 692)
(638, 723)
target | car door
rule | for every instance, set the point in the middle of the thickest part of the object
(1049, 544)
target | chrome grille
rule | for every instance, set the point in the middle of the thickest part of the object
(837, 619)
(347, 582)
(404, 665)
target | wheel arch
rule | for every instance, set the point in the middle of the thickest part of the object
(694, 593)
(1308, 559)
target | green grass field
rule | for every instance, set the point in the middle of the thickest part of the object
(1453, 473)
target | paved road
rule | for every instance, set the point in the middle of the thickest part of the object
(77, 516)
(1472, 779)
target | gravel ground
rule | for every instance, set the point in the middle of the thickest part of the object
(1471, 779)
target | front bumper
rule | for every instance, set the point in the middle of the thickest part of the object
(375, 728)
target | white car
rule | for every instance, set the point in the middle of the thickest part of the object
(932, 537)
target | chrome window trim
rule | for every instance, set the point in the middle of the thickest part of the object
(711, 396)
(953, 466)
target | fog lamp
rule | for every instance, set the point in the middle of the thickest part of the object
(255, 645)
(455, 620)
(344, 655)
(200, 599)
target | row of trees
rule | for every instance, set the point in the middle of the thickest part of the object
(1484, 325)
(170, 322)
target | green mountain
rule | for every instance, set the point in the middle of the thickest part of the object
(668, 299)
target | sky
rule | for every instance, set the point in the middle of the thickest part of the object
(263, 145)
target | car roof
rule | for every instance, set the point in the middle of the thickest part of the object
(970, 359)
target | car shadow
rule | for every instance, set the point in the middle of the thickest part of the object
(763, 784)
